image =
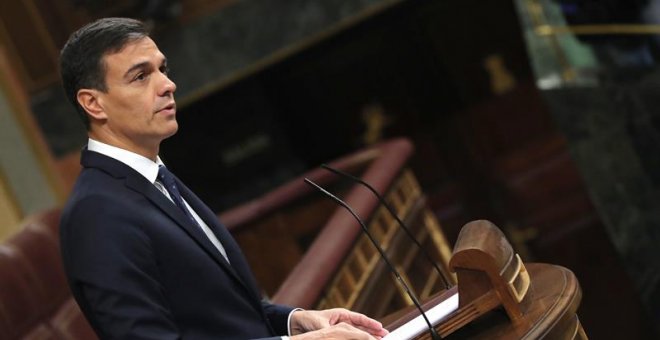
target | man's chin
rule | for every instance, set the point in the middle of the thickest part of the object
(172, 131)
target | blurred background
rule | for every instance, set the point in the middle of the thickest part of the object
(539, 115)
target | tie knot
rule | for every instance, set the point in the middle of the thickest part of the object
(165, 175)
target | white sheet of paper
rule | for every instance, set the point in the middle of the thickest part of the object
(418, 326)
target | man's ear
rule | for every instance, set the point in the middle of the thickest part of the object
(90, 100)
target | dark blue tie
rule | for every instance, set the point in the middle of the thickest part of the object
(167, 179)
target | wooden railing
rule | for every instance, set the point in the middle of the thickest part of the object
(339, 267)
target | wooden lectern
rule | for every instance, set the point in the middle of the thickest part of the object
(502, 298)
(499, 295)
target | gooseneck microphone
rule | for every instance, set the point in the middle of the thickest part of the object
(391, 211)
(434, 334)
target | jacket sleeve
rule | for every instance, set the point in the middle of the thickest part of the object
(113, 272)
(278, 316)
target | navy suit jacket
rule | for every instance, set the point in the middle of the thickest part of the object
(140, 269)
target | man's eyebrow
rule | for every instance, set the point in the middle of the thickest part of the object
(143, 65)
(137, 66)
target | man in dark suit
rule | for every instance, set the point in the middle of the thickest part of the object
(146, 258)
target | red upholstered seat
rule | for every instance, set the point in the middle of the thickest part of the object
(35, 302)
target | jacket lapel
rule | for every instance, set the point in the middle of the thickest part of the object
(234, 253)
(138, 183)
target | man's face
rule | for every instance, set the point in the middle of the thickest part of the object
(139, 102)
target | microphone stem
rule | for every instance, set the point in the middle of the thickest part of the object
(398, 219)
(405, 286)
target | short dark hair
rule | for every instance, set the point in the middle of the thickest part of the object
(81, 58)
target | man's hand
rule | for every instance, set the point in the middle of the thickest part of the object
(336, 323)
(341, 331)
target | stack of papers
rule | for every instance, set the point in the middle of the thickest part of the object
(417, 326)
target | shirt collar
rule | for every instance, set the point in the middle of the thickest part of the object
(139, 163)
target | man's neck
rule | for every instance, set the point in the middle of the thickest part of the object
(148, 151)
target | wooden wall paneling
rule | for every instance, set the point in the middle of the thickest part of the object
(30, 46)
(287, 233)
(61, 18)
(190, 9)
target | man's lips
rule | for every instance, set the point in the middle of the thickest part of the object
(167, 108)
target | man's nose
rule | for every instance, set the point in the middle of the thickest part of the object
(168, 86)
